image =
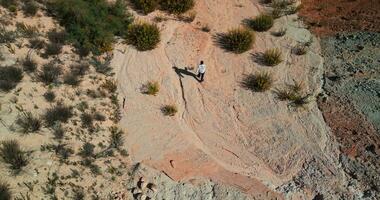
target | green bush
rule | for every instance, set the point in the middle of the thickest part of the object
(29, 65)
(91, 25)
(12, 154)
(258, 82)
(5, 191)
(30, 8)
(177, 6)
(50, 73)
(261, 23)
(28, 122)
(146, 6)
(10, 76)
(152, 88)
(272, 57)
(8, 3)
(169, 110)
(143, 36)
(58, 113)
(49, 96)
(109, 85)
(237, 40)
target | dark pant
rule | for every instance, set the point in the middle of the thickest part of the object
(201, 76)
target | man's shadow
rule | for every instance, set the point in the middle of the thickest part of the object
(182, 72)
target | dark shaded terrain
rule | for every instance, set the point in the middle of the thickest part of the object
(351, 104)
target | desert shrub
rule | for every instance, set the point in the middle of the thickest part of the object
(87, 120)
(36, 43)
(80, 69)
(169, 110)
(151, 88)
(49, 96)
(49, 73)
(300, 49)
(82, 106)
(91, 25)
(177, 6)
(29, 65)
(272, 57)
(30, 8)
(12, 154)
(102, 67)
(58, 131)
(116, 138)
(5, 191)
(87, 150)
(57, 113)
(28, 122)
(99, 116)
(293, 93)
(53, 49)
(10, 76)
(78, 194)
(237, 40)
(146, 6)
(71, 78)
(143, 36)
(7, 36)
(206, 28)
(188, 17)
(261, 23)
(27, 31)
(57, 36)
(258, 82)
(109, 85)
(8, 3)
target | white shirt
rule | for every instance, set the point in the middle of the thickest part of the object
(201, 68)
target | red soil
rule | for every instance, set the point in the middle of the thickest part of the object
(354, 133)
(327, 17)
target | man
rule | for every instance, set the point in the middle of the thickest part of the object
(201, 71)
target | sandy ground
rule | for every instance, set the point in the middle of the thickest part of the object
(222, 131)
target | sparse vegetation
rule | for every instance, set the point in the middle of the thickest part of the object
(28, 122)
(49, 96)
(10, 76)
(87, 120)
(6, 36)
(237, 40)
(91, 26)
(27, 31)
(80, 69)
(109, 85)
(87, 150)
(29, 65)
(52, 49)
(177, 6)
(146, 6)
(258, 82)
(49, 73)
(143, 36)
(58, 131)
(169, 110)
(272, 57)
(293, 94)
(151, 88)
(57, 36)
(5, 191)
(36, 43)
(12, 154)
(71, 78)
(116, 138)
(261, 23)
(57, 113)
(102, 67)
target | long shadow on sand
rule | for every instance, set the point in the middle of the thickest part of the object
(182, 72)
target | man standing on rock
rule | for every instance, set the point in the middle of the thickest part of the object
(201, 71)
